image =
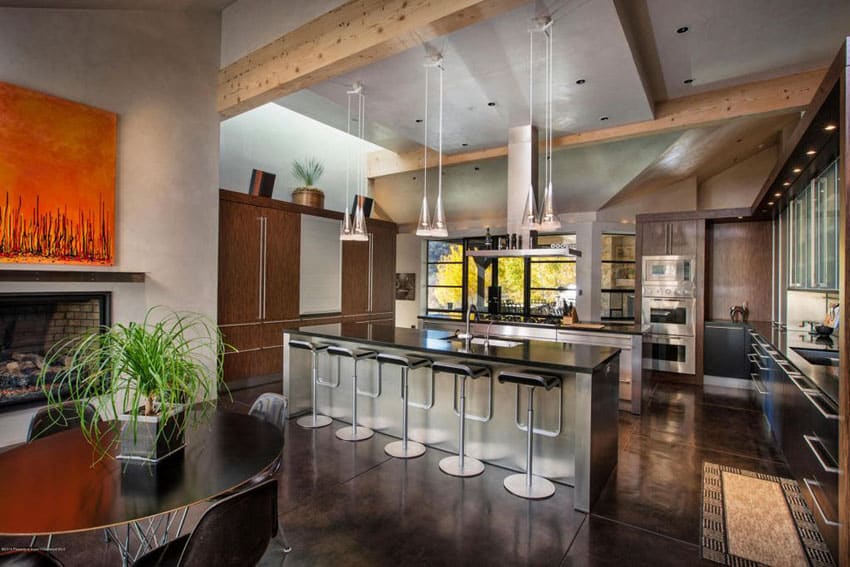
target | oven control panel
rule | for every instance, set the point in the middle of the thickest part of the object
(667, 291)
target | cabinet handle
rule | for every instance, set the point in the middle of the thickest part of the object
(371, 260)
(811, 440)
(265, 262)
(813, 397)
(756, 381)
(797, 379)
(809, 484)
(260, 283)
(754, 358)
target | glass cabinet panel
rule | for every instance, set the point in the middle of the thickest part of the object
(813, 234)
(798, 249)
(617, 276)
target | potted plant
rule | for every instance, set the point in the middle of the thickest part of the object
(308, 173)
(147, 374)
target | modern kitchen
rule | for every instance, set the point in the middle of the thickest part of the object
(519, 283)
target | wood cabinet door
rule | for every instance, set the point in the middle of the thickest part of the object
(654, 238)
(283, 260)
(683, 238)
(383, 270)
(355, 278)
(238, 263)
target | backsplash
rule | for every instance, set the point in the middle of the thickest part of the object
(808, 306)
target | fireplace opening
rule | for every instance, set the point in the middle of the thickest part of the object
(30, 324)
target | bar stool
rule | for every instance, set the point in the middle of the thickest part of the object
(528, 485)
(461, 465)
(406, 449)
(355, 432)
(315, 420)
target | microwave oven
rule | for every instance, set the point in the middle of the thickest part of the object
(668, 269)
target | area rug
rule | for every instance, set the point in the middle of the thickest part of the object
(751, 519)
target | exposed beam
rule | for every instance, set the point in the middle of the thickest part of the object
(771, 96)
(355, 34)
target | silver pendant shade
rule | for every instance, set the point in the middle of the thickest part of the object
(436, 227)
(355, 229)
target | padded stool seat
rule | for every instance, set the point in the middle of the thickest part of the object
(355, 432)
(314, 420)
(529, 485)
(406, 449)
(461, 465)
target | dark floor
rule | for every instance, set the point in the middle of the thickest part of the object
(349, 504)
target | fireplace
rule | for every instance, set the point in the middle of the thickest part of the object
(30, 324)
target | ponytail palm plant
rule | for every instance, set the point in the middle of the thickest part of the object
(139, 372)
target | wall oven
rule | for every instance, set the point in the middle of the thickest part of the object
(669, 316)
(669, 353)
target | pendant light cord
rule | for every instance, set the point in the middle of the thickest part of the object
(425, 159)
(440, 140)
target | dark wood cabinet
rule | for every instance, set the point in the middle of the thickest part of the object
(655, 238)
(259, 279)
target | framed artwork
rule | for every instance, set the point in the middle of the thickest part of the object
(405, 287)
(57, 180)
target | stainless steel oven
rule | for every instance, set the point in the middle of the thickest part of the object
(668, 270)
(668, 316)
(669, 353)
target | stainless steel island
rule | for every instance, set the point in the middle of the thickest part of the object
(578, 421)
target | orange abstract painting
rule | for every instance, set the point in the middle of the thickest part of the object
(57, 179)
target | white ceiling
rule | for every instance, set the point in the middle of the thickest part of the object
(176, 5)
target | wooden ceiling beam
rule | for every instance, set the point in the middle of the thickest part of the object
(791, 92)
(353, 35)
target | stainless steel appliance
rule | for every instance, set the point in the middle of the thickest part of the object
(668, 307)
(669, 353)
(669, 316)
(669, 271)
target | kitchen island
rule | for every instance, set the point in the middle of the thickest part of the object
(582, 413)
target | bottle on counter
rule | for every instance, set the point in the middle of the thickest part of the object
(488, 240)
(519, 242)
(513, 241)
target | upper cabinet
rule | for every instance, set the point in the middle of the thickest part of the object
(677, 238)
(813, 234)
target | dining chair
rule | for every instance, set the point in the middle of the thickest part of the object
(50, 420)
(274, 409)
(233, 532)
(28, 559)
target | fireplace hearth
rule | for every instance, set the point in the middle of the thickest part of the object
(30, 324)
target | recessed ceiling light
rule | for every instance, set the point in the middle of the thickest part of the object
(770, 203)
(777, 194)
(739, 140)
(491, 103)
(796, 170)
(740, 217)
(682, 29)
(465, 145)
(787, 184)
(414, 178)
(603, 118)
(830, 127)
(419, 121)
(581, 82)
(688, 81)
(811, 152)
(477, 168)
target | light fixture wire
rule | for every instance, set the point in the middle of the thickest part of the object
(423, 228)
(438, 226)
(359, 232)
(529, 212)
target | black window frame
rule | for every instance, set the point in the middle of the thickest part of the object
(463, 286)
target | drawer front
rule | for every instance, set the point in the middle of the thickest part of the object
(243, 337)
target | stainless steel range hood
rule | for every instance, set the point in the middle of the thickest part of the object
(522, 172)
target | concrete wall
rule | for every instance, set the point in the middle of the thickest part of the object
(739, 185)
(410, 259)
(270, 137)
(158, 72)
(678, 196)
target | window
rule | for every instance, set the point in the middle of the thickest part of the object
(618, 277)
(445, 276)
(508, 286)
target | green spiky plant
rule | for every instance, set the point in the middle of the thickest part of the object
(152, 368)
(308, 171)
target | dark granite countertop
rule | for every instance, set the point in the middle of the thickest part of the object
(610, 327)
(784, 341)
(543, 354)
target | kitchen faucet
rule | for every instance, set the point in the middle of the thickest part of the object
(469, 311)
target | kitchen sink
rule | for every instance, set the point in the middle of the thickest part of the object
(493, 342)
(818, 357)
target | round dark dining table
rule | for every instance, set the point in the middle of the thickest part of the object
(50, 486)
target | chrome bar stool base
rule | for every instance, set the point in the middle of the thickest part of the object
(358, 433)
(539, 489)
(314, 421)
(452, 466)
(397, 449)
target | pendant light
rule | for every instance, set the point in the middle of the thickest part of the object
(425, 226)
(529, 212)
(346, 229)
(548, 219)
(359, 232)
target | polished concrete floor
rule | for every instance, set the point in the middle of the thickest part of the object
(349, 504)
